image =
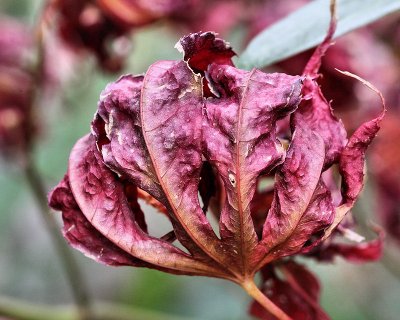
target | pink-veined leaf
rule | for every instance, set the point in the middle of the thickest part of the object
(240, 139)
(302, 207)
(196, 136)
(352, 159)
(102, 200)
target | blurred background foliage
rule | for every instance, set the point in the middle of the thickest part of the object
(30, 269)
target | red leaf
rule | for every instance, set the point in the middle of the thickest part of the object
(82, 235)
(203, 49)
(302, 205)
(169, 139)
(101, 198)
(297, 294)
(240, 141)
(356, 253)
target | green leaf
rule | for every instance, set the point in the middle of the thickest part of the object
(306, 28)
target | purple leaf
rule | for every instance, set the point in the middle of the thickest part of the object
(315, 109)
(318, 114)
(171, 114)
(356, 253)
(352, 159)
(200, 50)
(119, 133)
(302, 205)
(297, 294)
(239, 133)
(101, 198)
(201, 130)
(82, 235)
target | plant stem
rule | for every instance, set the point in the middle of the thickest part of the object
(250, 287)
(68, 262)
(21, 310)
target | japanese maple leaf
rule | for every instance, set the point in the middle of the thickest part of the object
(202, 126)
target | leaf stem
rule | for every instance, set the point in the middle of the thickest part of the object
(71, 268)
(250, 287)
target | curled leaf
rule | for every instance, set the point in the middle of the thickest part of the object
(195, 137)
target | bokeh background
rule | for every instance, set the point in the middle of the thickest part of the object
(30, 269)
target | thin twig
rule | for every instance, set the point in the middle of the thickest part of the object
(35, 182)
(71, 269)
(21, 310)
